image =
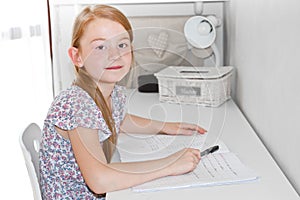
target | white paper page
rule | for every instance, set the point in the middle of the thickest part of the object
(214, 169)
(221, 167)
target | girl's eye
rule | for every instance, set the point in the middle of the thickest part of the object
(101, 47)
(123, 45)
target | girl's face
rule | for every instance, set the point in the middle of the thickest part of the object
(105, 51)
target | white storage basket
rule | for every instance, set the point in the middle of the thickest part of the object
(209, 86)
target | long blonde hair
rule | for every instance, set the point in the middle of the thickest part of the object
(83, 79)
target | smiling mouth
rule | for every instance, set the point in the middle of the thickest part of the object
(114, 67)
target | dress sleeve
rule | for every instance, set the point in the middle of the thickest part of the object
(75, 108)
(119, 101)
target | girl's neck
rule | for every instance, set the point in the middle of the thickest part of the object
(106, 89)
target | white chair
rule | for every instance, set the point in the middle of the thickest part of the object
(30, 144)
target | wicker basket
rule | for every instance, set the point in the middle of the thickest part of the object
(208, 86)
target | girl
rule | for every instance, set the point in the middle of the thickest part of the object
(82, 124)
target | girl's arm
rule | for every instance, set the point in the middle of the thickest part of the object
(102, 177)
(135, 124)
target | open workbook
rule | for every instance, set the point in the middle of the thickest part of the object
(219, 168)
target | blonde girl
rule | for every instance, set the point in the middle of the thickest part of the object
(81, 127)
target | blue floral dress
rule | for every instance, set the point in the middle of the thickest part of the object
(60, 177)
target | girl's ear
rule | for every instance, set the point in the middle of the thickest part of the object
(75, 57)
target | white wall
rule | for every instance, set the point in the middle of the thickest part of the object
(25, 85)
(264, 46)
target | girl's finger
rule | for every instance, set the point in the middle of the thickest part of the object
(193, 127)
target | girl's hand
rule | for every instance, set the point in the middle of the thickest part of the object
(176, 128)
(183, 161)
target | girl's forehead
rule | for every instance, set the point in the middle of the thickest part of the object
(104, 29)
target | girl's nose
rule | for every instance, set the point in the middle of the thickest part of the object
(113, 53)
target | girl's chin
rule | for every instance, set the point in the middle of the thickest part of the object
(111, 80)
(112, 76)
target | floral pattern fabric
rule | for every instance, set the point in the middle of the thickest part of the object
(60, 177)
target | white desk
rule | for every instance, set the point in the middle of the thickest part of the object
(238, 136)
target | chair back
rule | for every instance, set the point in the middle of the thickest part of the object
(30, 145)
